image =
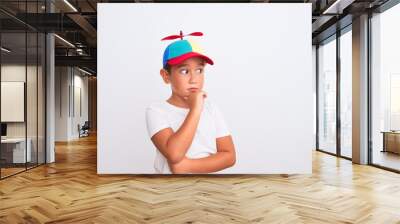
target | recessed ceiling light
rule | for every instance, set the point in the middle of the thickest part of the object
(64, 40)
(337, 7)
(70, 5)
(5, 50)
(84, 71)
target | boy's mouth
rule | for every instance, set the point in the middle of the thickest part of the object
(193, 89)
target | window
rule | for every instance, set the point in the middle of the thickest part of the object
(346, 93)
(385, 89)
(327, 96)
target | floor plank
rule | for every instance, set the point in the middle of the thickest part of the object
(70, 191)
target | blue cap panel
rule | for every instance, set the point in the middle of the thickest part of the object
(176, 49)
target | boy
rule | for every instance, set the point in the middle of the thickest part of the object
(187, 129)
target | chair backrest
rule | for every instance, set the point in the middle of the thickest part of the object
(86, 125)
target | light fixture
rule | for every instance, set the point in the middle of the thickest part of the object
(79, 51)
(337, 7)
(70, 5)
(5, 50)
(64, 40)
(84, 71)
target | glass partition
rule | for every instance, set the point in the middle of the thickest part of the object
(13, 109)
(22, 101)
(327, 96)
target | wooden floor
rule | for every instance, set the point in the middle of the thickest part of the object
(70, 191)
(387, 159)
(5, 172)
(9, 171)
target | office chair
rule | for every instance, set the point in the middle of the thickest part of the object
(84, 130)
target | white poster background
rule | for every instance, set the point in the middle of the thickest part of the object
(261, 80)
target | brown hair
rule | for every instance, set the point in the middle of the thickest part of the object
(168, 68)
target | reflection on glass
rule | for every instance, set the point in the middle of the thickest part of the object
(386, 89)
(22, 91)
(13, 86)
(327, 96)
(346, 94)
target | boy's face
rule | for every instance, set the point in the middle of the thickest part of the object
(185, 77)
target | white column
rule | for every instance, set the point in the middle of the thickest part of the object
(50, 100)
(50, 92)
(360, 90)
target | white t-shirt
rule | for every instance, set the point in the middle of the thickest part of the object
(212, 125)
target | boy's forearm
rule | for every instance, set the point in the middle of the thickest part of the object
(181, 140)
(210, 164)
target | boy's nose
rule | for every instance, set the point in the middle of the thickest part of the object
(193, 78)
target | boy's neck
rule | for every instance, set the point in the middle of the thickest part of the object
(177, 101)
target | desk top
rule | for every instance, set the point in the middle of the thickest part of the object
(390, 132)
(13, 140)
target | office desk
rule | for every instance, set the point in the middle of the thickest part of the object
(391, 141)
(13, 150)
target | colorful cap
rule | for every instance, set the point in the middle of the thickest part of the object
(181, 50)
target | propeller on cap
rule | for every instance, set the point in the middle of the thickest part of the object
(172, 37)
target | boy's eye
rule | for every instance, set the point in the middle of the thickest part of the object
(184, 71)
(199, 70)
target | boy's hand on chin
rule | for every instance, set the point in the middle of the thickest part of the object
(180, 168)
(196, 100)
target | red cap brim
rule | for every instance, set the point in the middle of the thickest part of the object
(180, 59)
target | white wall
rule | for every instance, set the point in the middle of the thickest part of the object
(80, 84)
(314, 87)
(261, 80)
(61, 103)
(68, 81)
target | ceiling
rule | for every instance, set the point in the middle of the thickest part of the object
(75, 22)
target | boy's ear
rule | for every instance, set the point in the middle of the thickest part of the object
(165, 76)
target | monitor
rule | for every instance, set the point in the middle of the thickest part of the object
(3, 129)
